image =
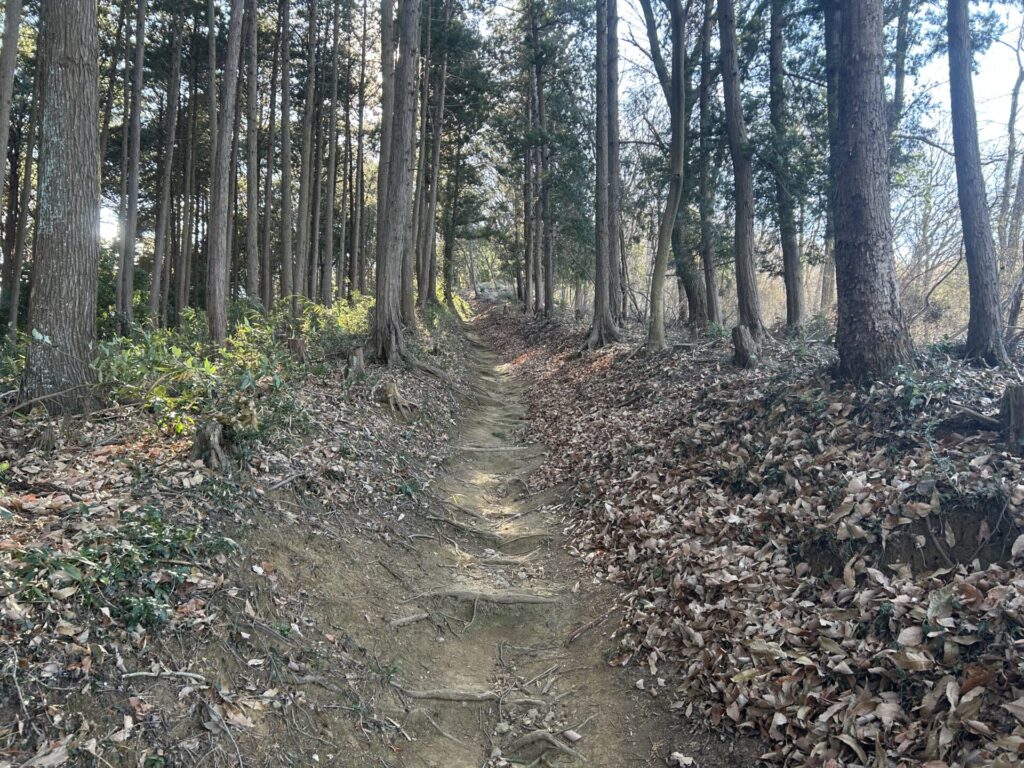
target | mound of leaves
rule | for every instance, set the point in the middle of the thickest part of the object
(834, 570)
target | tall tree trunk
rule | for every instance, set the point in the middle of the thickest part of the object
(430, 216)
(387, 343)
(985, 329)
(211, 48)
(1003, 218)
(287, 287)
(8, 63)
(871, 335)
(828, 268)
(252, 163)
(108, 98)
(528, 215)
(316, 204)
(126, 284)
(706, 188)
(357, 270)
(387, 65)
(420, 205)
(217, 270)
(326, 291)
(740, 150)
(302, 248)
(903, 40)
(62, 305)
(603, 330)
(791, 267)
(615, 277)
(451, 225)
(677, 94)
(266, 267)
(166, 176)
(13, 289)
(181, 275)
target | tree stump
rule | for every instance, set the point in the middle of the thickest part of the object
(747, 350)
(209, 446)
(297, 346)
(1011, 414)
(356, 364)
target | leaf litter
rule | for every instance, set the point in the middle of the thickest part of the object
(836, 571)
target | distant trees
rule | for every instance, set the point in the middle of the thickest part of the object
(62, 305)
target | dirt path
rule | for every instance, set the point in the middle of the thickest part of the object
(525, 629)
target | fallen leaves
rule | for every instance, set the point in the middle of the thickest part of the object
(831, 569)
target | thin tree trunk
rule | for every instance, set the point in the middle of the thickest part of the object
(8, 63)
(420, 206)
(985, 329)
(108, 99)
(181, 276)
(166, 176)
(707, 189)
(357, 271)
(871, 335)
(252, 164)
(740, 150)
(615, 278)
(677, 93)
(326, 291)
(903, 40)
(387, 343)
(21, 237)
(217, 271)
(266, 267)
(62, 305)
(387, 65)
(603, 330)
(430, 217)
(791, 267)
(302, 248)
(126, 309)
(287, 286)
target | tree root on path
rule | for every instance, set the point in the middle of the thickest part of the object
(465, 528)
(498, 598)
(547, 738)
(423, 714)
(406, 620)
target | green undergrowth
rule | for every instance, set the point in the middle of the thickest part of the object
(182, 379)
(130, 572)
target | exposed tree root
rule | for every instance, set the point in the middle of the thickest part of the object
(398, 402)
(498, 598)
(465, 528)
(406, 620)
(547, 738)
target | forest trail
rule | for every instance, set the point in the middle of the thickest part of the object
(528, 619)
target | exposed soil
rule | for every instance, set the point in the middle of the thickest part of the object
(495, 638)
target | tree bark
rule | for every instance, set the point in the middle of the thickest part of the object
(615, 277)
(8, 63)
(182, 273)
(677, 96)
(357, 274)
(740, 150)
(252, 163)
(791, 267)
(166, 175)
(126, 283)
(706, 188)
(302, 248)
(326, 290)
(603, 330)
(985, 329)
(217, 274)
(266, 266)
(387, 343)
(287, 287)
(13, 298)
(62, 305)
(871, 335)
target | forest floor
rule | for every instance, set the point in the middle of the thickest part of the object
(836, 571)
(374, 582)
(516, 554)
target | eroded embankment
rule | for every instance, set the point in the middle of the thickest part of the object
(834, 570)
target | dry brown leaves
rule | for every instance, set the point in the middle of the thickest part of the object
(831, 569)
